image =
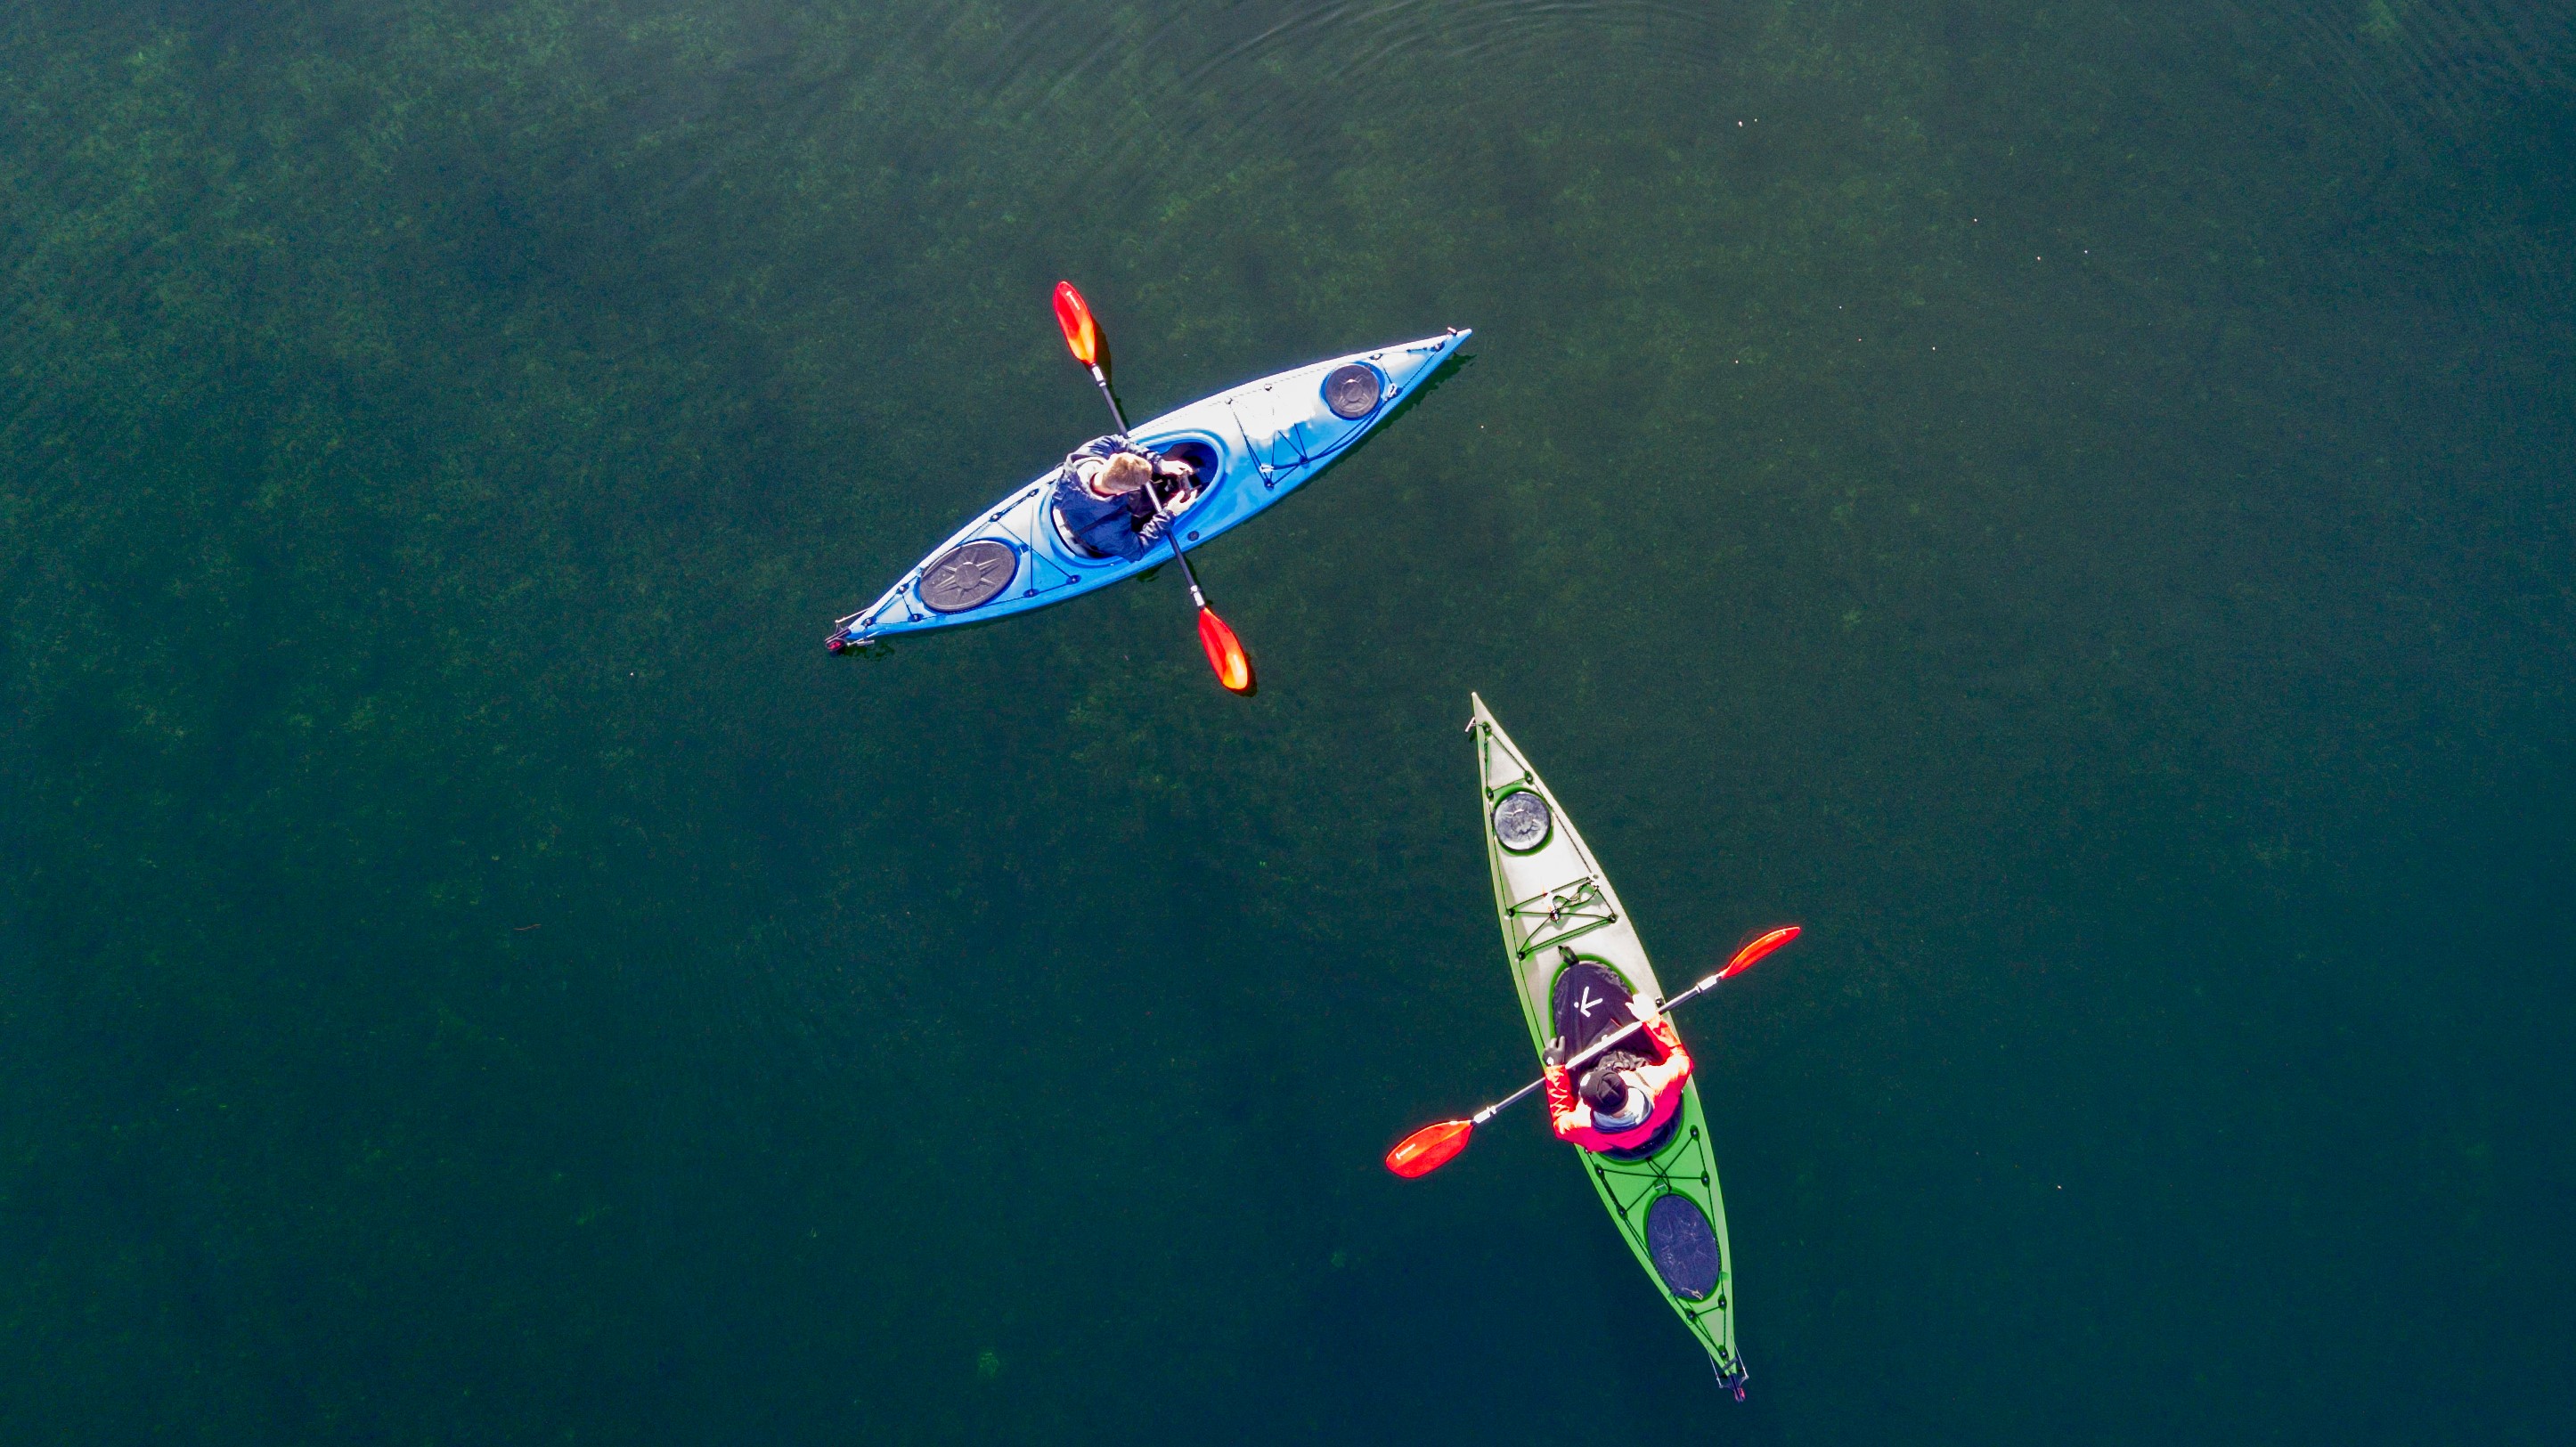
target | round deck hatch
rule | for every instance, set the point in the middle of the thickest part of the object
(1521, 821)
(969, 576)
(1352, 390)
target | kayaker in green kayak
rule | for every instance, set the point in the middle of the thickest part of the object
(1101, 499)
(1624, 1099)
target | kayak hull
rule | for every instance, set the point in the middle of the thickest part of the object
(1554, 901)
(1257, 442)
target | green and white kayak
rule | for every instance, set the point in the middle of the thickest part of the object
(1575, 960)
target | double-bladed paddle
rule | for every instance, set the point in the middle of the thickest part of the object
(1224, 651)
(1434, 1146)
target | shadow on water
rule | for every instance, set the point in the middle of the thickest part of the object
(1448, 370)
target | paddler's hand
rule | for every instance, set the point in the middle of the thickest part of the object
(1657, 1028)
(1553, 1057)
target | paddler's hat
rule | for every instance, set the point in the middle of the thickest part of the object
(1605, 1088)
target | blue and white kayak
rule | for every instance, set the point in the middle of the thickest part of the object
(1252, 445)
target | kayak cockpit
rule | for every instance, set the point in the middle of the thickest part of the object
(1198, 452)
(1204, 461)
(1590, 1000)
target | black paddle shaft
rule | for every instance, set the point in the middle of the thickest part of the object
(1171, 526)
(1109, 397)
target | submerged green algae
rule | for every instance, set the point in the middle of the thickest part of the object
(2061, 500)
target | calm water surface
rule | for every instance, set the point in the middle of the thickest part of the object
(2070, 501)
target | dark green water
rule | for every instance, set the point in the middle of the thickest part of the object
(2070, 501)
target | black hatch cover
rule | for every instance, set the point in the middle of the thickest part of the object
(1684, 1246)
(1351, 390)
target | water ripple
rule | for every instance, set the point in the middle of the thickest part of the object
(1298, 69)
(2452, 84)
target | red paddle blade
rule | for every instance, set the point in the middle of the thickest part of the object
(1429, 1148)
(1762, 945)
(1074, 315)
(1225, 652)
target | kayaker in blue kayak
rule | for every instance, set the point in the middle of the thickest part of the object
(1100, 496)
(1624, 1098)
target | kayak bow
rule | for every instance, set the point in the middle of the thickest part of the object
(1575, 959)
(1252, 445)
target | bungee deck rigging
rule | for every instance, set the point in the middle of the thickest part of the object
(1559, 914)
(1252, 445)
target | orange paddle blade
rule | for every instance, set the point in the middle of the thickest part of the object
(1762, 945)
(1225, 652)
(1429, 1148)
(1074, 315)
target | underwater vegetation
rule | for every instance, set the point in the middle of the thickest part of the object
(2070, 501)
